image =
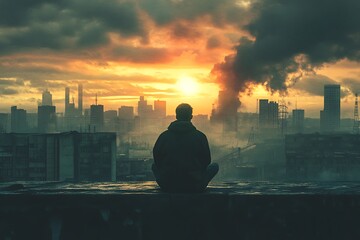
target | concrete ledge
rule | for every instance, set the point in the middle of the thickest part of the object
(55, 212)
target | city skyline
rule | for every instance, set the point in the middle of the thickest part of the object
(178, 51)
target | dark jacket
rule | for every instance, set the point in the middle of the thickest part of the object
(181, 150)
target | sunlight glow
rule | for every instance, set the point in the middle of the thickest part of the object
(187, 85)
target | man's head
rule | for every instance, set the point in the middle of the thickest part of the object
(184, 112)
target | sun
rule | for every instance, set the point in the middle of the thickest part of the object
(187, 85)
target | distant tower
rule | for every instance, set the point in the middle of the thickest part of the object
(18, 120)
(160, 109)
(331, 114)
(80, 99)
(126, 112)
(46, 119)
(298, 117)
(46, 98)
(356, 115)
(67, 100)
(97, 116)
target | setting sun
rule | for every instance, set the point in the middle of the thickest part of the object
(187, 85)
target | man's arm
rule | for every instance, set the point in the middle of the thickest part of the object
(157, 150)
(205, 152)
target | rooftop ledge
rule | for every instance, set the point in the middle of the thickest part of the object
(242, 210)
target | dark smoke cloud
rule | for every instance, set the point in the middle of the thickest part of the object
(352, 84)
(290, 39)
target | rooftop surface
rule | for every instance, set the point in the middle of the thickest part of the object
(139, 210)
(150, 187)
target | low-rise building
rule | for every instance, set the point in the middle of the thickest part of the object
(323, 156)
(56, 157)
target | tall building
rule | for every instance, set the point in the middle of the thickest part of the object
(80, 99)
(144, 110)
(298, 117)
(67, 101)
(268, 114)
(331, 115)
(263, 112)
(3, 122)
(97, 117)
(126, 119)
(273, 114)
(126, 113)
(46, 119)
(18, 120)
(160, 109)
(46, 98)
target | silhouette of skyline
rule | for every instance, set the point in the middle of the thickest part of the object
(150, 56)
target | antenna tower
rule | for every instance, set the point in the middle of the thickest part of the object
(356, 115)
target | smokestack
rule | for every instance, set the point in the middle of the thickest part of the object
(80, 99)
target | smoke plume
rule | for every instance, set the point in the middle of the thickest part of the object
(289, 39)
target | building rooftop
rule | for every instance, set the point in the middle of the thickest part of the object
(151, 188)
(243, 210)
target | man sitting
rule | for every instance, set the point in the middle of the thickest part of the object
(182, 156)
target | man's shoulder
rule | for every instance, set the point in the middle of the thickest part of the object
(200, 133)
(164, 133)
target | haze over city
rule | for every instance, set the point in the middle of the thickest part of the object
(179, 51)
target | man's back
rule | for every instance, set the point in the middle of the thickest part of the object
(182, 148)
(182, 155)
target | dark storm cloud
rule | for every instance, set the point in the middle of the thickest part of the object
(60, 25)
(220, 12)
(183, 30)
(16, 12)
(291, 38)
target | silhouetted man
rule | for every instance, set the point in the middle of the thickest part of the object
(182, 156)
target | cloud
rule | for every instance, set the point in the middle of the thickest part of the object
(141, 54)
(352, 84)
(183, 30)
(220, 13)
(314, 85)
(213, 42)
(8, 91)
(65, 25)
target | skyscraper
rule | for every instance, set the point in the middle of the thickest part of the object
(126, 112)
(144, 110)
(46, 98)
(263, 112)
(160, 109)
(331, 115)
(46, 119)
(80, 99)
(268, 114)
(18, 120)
(67, 101)
(97, 117)
(298, 116)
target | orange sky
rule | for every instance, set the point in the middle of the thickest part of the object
(152, 57)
